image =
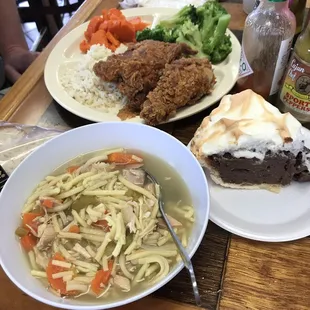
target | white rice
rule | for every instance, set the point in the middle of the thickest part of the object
(81, 83)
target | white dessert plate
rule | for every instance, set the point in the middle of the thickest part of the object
(262, 215)
(67, 53)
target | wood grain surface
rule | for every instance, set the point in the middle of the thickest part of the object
(209, 263)
(267, 276)
(233, 273)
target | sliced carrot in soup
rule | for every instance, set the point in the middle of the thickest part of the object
(71, 169)
(123, 158)
(29, 220)
(58, 284)
(102, 224)
(74, 229)
(101, 279)
(47, 203)
(28, 242)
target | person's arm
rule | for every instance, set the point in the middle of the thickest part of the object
(13, 46)
(11, 33)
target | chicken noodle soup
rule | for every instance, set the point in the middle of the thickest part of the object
(93, 227)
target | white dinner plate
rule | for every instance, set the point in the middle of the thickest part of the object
(67, 52)
(262, 215)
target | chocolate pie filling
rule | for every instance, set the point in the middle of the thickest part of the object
(280, 168)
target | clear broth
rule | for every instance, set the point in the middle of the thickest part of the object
(174, 192)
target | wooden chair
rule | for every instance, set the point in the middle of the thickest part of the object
(48, 16)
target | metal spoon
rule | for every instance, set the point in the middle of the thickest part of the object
(187, 261)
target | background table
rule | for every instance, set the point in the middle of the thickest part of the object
(233, 273)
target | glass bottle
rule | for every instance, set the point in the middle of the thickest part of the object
(266, 43)
(298, 8)
(294, 96)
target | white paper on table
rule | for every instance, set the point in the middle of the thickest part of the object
(178, 4)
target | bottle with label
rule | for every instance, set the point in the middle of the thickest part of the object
(294, 96)
(266, 43)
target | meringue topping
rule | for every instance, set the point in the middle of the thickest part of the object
(246, 125)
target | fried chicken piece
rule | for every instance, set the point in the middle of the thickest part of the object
(138, 70)
(183, 82)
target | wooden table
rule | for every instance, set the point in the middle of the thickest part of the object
(233, 273)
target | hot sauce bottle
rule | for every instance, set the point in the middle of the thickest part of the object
(294, 96)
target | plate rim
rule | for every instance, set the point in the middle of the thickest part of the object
(233, 229)
(67, 102)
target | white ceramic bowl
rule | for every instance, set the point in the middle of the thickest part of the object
(67, 146)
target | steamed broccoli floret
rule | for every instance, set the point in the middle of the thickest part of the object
(203, 29)
(210, 11)
(214, 41)
(222, 51)
(185, 14)
(190, 34)
(171, 35)
(158, 33)
(213, 23)
(209, 15)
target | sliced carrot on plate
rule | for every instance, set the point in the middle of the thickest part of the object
(126, 32)
(138, 24)
(99, 37)
(112, 47)
(104, 13)
(110, 25)
(135, 20)
(104, 26)
(114, 17)
(115, 13)
(113, 40)
(84, 46)
(93, 26)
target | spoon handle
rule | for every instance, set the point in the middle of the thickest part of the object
(187, 261)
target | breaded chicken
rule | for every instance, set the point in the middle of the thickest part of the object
(138, 70)
(183, 82)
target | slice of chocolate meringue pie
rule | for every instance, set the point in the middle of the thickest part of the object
(248, 143)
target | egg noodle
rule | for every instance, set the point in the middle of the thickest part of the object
(93, 230)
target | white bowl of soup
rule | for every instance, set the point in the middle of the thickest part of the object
(81, 221)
